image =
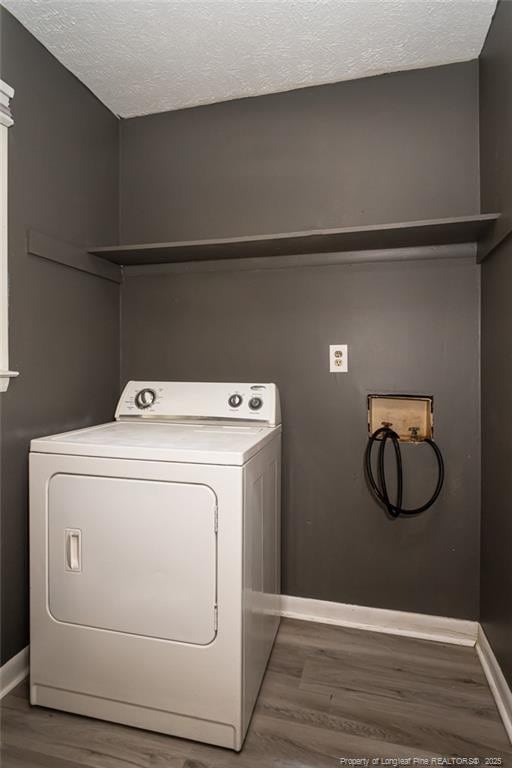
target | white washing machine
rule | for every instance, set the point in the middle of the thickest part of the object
(154, 557)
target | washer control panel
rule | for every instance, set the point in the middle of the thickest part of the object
(181, 401)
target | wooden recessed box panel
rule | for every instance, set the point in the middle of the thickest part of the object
(410, 416)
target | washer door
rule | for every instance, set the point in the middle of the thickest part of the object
(133, 556)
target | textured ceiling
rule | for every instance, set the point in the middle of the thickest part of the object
(144, 56)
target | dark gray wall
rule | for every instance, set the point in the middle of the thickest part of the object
(64, 325)
(397, 147)
(496, 161)
(495, 67)
(383, 149)
(402, 146)
(410, 328)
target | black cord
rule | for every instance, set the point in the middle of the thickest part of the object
(379, 487)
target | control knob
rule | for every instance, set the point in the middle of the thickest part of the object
(145, 398)
(235, 401)
(255, 403)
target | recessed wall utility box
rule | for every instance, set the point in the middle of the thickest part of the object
(410, 416)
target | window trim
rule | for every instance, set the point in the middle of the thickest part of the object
(6, 94)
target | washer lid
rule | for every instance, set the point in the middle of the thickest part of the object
(201, 443)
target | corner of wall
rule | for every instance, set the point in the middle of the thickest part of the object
(119, 236)
(478, 160)
(119, 166)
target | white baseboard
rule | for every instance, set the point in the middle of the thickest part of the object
(422, 626)
(497, 683)
(13, 672)
(437, 628)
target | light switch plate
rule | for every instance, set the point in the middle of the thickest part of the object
(338, 358)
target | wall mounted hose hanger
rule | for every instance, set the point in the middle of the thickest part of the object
(396, 419)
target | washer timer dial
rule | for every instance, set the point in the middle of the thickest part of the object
(145, 398)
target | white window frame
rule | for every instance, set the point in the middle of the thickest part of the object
(6, 94)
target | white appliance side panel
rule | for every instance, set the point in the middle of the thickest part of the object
(133, 556)
(262, 567)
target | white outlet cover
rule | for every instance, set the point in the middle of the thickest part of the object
(338, 358)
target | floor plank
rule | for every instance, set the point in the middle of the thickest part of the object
(329, 693)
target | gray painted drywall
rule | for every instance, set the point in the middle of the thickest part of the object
(411, 327)
(64, 324)
(496, 161)
(495, 68)
(391, 148)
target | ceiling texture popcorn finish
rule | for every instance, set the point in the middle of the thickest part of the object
(146, 56)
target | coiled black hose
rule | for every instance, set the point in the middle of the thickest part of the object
(380, 488)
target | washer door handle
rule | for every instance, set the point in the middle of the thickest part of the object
(73, 549)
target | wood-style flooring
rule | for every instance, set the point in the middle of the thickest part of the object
(329, 693)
